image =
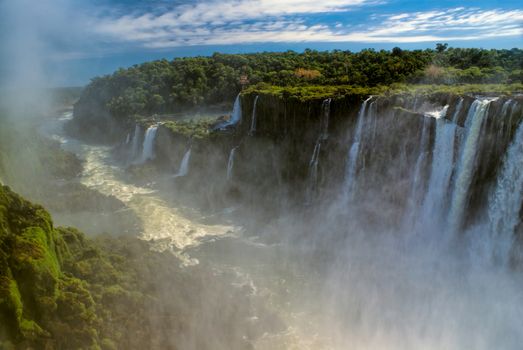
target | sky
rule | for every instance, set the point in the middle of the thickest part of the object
(71, 41)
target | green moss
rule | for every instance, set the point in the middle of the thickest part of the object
(190, 128)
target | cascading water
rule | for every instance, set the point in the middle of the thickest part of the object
(128, 139)
(478, 111)
(506, 200)
(148, 144)
(230, 163)
(135, 144)
(350, 168)
(253, 119)
(236, 115)
(434, 205)
(184, 165)
(418, 181)
(457, 111)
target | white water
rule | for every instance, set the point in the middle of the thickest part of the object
(376, 296)
(324, 134)
(352, 160)
(478, 111)
(230, 163)
(506, 200)
(236, 115)
(418, 181)
(253, 119)
(434, 205)
(135, 145)
(184, 165)
(166, 226)
(148, 144)
(457, 111)
(128, 139)
(504, 109)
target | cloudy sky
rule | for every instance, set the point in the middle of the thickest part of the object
(77, 39)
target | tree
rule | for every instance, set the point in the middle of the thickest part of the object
(441, 47)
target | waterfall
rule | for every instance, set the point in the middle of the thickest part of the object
(325, 116)
(504, 109)
(417, 186)
(457, 111)
(135, 143)
(253, 119)
(184, 165)
(313, 164)
(352, 160)
(230, 163)
(148, 143)
(434, 206)
(506, 199)
(128, 139)
(236, 115)
(478, 111)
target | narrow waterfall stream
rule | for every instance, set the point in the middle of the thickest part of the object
(230, 163)
(253, 118)
(184, 165)
(352, 159)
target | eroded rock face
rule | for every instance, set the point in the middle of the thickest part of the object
(274, 161)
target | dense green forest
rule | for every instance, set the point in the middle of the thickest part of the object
(167, 86)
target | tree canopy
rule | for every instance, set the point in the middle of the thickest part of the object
(168, 86)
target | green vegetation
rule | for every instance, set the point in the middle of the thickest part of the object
(170, 86)
(189, 128)
(60, 290)
(311, 92)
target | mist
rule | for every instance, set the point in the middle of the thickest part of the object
(259, 215)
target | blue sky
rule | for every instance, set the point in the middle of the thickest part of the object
(78, 39)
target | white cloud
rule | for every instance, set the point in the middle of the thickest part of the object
(251, 21)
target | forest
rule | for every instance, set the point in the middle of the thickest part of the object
(168, 86)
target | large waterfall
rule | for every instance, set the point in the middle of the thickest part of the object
(507, 198)
(434, 205)
(465, 169)
(402, 235)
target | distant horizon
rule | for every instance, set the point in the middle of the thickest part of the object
(108, 65)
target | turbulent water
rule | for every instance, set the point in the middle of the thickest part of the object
(331, 281)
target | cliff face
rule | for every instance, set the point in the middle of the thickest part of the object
(297, 153)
